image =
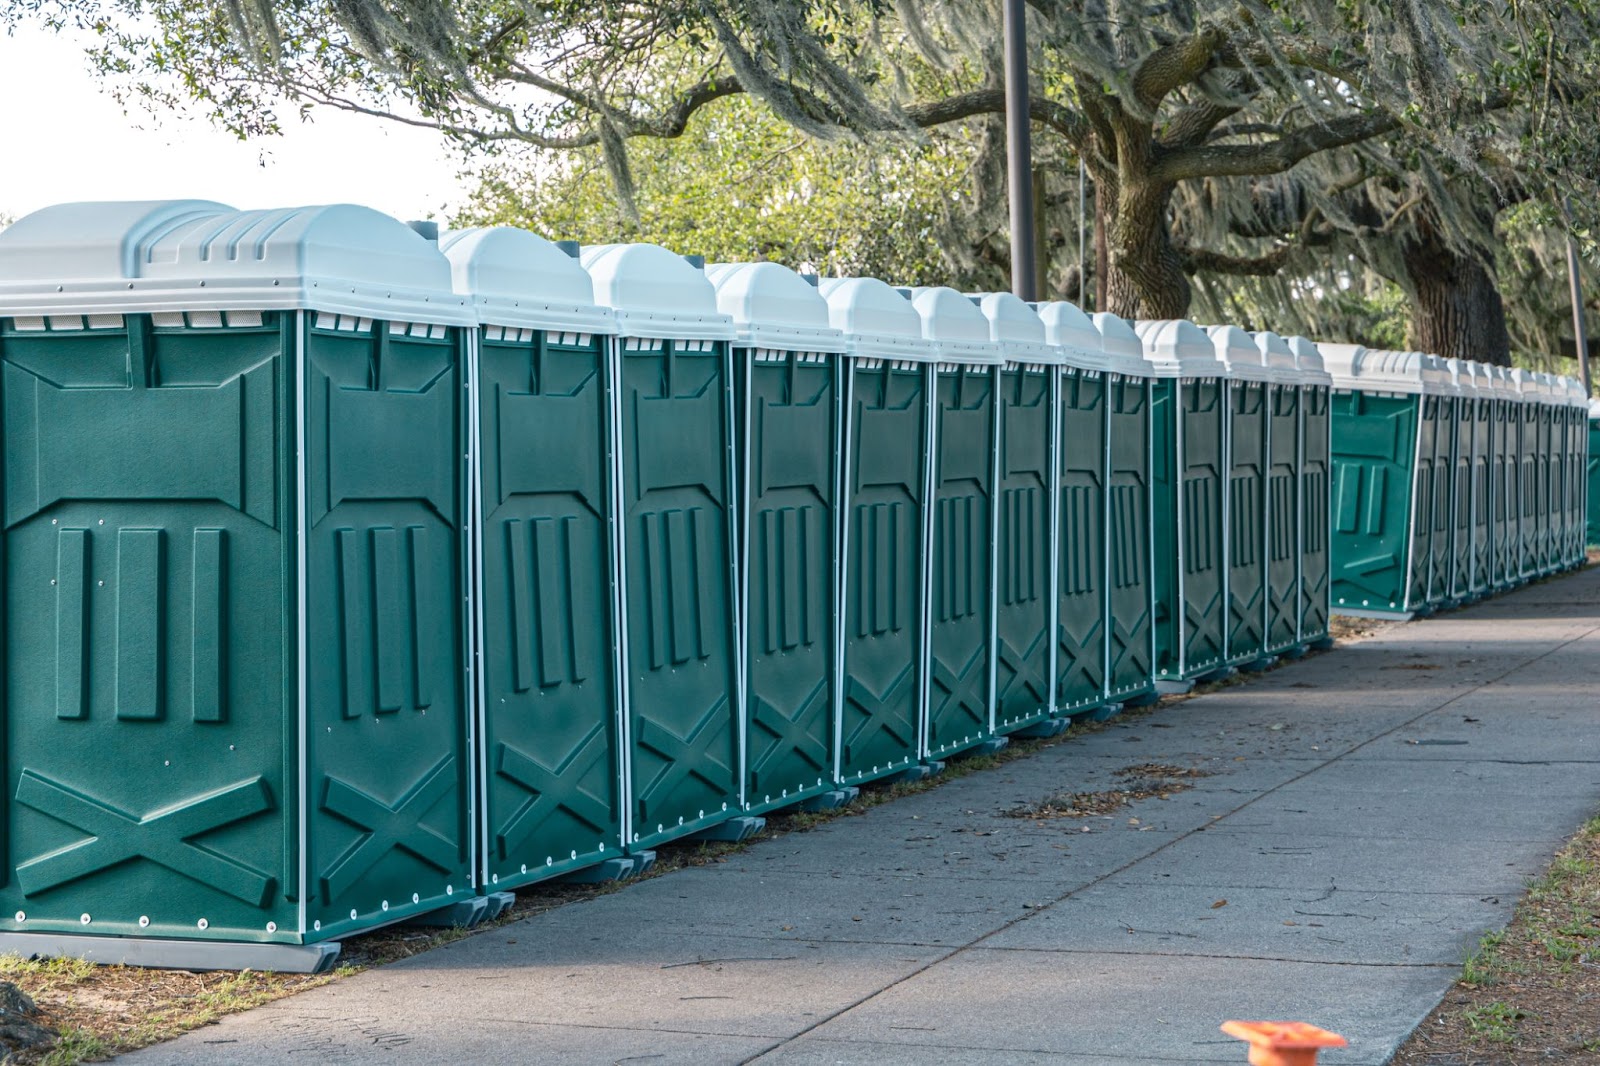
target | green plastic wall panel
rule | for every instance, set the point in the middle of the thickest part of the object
(789, 480)
(1592, 487)
(1480, 552)
(1428, 495)
(885, 485)
(1574, 431)
(961, 589)
(388, 764)
(1082, 559)
(1022, 548)
(1315, 489)
(678, 591)
(1528, 492)
(1441, 509)
(1131, 658)
(1374, 456)
(1283, 519)
(552, 768)
(1505, 536)
(1549, 471)
(1204, 410)
(150, 713)
(1249, 404)
(1166, 615)
(1459, 571)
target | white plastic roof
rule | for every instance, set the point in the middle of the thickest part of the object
(655, 293)
(1502, 383)
(187, 255)
(773, 307)
(1236, 350)
(1278, 358)
(1373, 370)
(1437, 380)
(1121, 345)
(877, 322)
(1308, 361)
(1178, 348)
(1074, 336)
(1550, 393)
(1016, 328)
(516, 278)
(958, 330)
(1579, 395)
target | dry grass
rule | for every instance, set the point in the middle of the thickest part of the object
(1530, 993)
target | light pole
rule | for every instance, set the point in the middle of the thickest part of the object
(1019, 151)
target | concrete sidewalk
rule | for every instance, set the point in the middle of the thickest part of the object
(1371, 812)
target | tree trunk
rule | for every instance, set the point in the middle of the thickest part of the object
(1146, 277)
(1457, 312)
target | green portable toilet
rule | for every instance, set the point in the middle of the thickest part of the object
(1189, 472)
(547, 710)
(674, 541)
(1245, 530)
(1083, 544)
(1591, 487)
(786, 369)
(1376, 407)
(1457, 560)
(1528, 403)
(1430, 576)
(237, 657)
(1130, 589)
(1574, 429)
(1024, 518)
(1283, 452)
(1477, 413)
(884, 482)
(1314, 488)
(1549, 456)
(959, 577)
(1505, 434)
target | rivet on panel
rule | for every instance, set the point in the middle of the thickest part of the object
(352, 914)
(22, 916)
(416, 897)
(316, 926)
(524, 867)
(84, 918)
(449, 890)
(144, 921)
(494, 879)
(385, 904)
(203, 924)
(272, 927)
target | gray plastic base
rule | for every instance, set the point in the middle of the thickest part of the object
(1173, 688)
(1296, 652)
(1143, 700)
(735, 830)
(499, 903)
(1321, 644)
(1103, 713)
(620, 868)
(829, 801)
(1221, 673)
(158, 954)
(1382, 616)
(1256, 666)
(912, 774)
(987, 747)
(643, 863)
(1050, 727)
(463, 914)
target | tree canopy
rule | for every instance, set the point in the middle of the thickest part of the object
(1226, 138)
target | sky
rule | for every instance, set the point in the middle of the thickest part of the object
(64, 139)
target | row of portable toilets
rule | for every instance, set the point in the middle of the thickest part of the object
(354, 577)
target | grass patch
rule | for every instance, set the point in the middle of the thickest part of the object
(1527, 992)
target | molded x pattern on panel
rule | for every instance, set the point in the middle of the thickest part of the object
(690, 756)
(791, 733)
(878, 711)
(544, 783)
(165, 837)
(965, 692)
(388, 827)
(1025, 669)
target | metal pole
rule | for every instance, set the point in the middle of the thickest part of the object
(1083, 259)
(1580, 336)
(1019, 152)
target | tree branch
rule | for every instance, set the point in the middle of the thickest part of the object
(1274, 157)
(1170, 66)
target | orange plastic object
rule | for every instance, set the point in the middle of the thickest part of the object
(1283, 1043)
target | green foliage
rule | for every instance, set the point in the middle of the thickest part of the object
(741, 185)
